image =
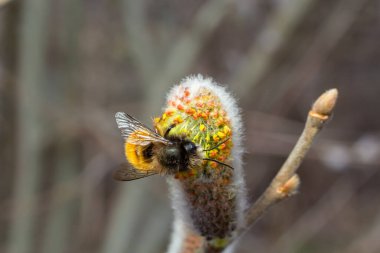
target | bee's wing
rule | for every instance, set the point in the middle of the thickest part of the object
(142, 135)
(128, 173)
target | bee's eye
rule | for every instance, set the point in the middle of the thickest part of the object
(190, 147)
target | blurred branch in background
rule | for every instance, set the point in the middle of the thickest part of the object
(32, 69)
(126, 217)
(140, 42)
(186, 49)
(332, 202)
(158, 222)
(367, 241)
(9, 39)
(334, 155)
(4, 2)
(338, 22)
(63, 209)
(273, 36)
(184, 52)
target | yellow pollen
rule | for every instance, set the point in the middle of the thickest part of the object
(221, 134)
(226, 129)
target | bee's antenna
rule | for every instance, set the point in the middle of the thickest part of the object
(217, 145)
(213, 160)
(168, 130)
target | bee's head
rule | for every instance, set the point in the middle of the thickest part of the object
(176, 156)
(189, 147)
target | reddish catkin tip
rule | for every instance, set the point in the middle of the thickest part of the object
(324, 105)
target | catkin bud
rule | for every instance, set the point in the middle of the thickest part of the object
(324, 105)
(209, 198)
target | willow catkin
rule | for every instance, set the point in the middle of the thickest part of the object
(208, 199)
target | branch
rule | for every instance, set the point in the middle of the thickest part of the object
(286, 182)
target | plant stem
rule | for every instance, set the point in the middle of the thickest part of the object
(286, 182)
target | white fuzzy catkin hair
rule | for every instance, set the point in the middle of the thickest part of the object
(181, 212)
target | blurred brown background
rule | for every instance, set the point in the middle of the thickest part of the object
(67, 66)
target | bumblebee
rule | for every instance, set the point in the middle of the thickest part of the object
(151, 153)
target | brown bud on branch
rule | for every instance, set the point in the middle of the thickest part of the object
(323, 106)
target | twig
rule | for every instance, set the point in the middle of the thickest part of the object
(286, 182)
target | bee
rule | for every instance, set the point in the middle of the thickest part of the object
(149, 153)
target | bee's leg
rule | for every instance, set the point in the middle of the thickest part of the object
(168, 130)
